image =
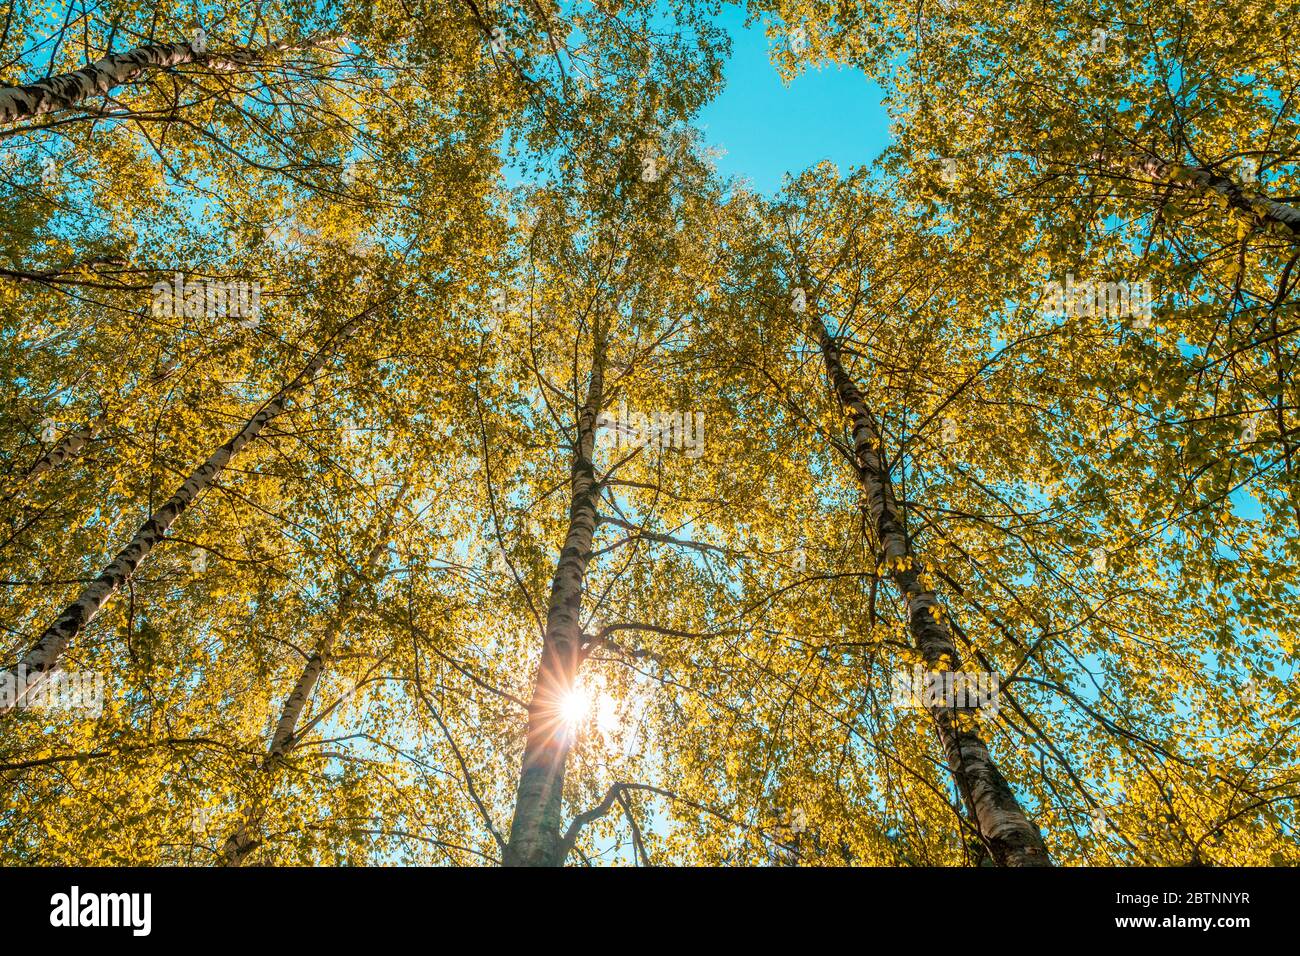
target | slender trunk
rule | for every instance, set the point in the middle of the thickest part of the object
(75, 442)
(1011, 839)
(1253, 203)
(45, 653)
(67, 448)
(68, 89)
(536, 831)
(245, 839)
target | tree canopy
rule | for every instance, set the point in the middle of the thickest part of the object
(415, 450)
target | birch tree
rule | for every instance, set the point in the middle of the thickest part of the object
(44, 655)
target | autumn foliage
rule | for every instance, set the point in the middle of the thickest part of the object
(414, 450)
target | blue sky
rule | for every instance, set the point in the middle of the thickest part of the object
(769, 129)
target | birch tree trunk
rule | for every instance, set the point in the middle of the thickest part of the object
(68, 89)
(75, 442)
(44, 655)
(536, 837)
(1145, 165)
(1010, 837)
(245, 839)
(68, 447)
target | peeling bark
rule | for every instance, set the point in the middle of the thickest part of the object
(536, 832)
(1011, 838)
(45, 653)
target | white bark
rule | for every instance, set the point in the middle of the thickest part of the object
(536, 835)
(1011, 838)
(45, 653)
(67, 448)
(241, 843)
(101, 77)
(1145, 165)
